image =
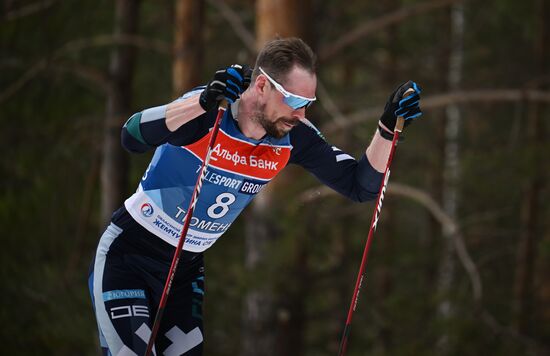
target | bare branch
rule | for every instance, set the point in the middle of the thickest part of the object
(111, 40)
(435, 210)
(358, 117)
(448, 225)
(534, 347)
(236, 23)
(22, 80)
(441, 101)
(85, 72)
(28, 10)
(89, 74)
(329, 105)
(485, 95)
(365, 29)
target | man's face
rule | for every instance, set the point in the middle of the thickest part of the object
(273, 114)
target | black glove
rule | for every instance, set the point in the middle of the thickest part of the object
(228, 83)
(397, 105)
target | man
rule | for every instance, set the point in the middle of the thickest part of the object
(263, 130)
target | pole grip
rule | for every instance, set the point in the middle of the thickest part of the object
(223, 104)
(399, 124)
(400, 121)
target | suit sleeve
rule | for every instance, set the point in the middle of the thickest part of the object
(148, 128)
(357, 180)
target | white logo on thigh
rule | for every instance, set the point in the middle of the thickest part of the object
(121, 312)
(182, 342)
(129, 310)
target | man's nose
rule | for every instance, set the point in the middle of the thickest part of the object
(299, 113)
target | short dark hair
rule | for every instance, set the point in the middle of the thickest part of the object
(279, 56)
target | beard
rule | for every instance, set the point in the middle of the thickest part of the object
(274, 128)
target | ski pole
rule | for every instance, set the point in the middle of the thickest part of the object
(185, 228)
(376, 215)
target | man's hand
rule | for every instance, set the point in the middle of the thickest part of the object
(399, 105)
(228, 83)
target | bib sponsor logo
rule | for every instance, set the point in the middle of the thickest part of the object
(250, 187)
(221, 180)
(256, 161)
(237, 159)
(147, 210)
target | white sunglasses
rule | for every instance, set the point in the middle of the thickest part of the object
(293, 100)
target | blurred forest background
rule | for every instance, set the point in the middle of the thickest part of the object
(460, 262)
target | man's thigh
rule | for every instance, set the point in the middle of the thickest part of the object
(181, 330)
(121, 300)
(127, 288)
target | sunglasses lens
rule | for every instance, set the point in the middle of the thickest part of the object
(296, 103)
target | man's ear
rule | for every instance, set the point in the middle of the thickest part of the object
(260, 84)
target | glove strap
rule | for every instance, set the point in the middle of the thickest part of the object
(387, 135)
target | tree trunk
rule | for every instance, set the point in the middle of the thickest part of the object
(259, 316)
(451, 175)
(387, 232)
(282, 18)
(273, 18)
(188, 49)
(524, 288)
(432, 241)
(114, 160)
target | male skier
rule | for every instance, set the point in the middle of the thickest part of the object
(263, 130)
